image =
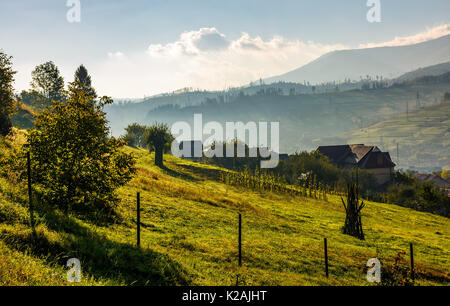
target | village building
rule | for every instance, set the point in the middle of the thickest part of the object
(191, 149)
(436, 179)
(362, 157)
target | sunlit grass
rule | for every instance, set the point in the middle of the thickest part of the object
(189, 236)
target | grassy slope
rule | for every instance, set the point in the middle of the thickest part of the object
(423, 137)
(189, 236)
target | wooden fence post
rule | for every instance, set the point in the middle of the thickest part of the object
(326, 256)
(138, 211)
(411, 254)
(240, 240)
(30, 195)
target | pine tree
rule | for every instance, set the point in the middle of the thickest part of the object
(82, 77)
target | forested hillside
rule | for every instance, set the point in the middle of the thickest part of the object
(306, 120)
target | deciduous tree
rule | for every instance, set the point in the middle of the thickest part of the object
(47, 80)
(157, 136)
(74, 161)
(6, 93)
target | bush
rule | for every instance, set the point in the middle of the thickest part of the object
(5, 125)
(74, 162)
(422, 196)
(397, 274)
(299, 168)
(135, 134)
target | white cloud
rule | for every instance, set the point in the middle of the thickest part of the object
(116, 55)
(428, 34)
(191, 43)
(207, 59)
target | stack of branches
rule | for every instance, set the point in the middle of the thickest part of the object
(353, 224)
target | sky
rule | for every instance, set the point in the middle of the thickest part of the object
(138, 48)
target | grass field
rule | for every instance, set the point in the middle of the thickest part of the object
(189, 235)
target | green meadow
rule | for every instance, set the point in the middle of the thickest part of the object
(189, 235)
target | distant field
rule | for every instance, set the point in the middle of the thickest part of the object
(423, 137)
(189, 236)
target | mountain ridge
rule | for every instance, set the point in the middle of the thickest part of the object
(388, 62)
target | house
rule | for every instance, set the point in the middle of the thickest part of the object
(363, 157)
(436, 179)
(283, 156)
(193, 148)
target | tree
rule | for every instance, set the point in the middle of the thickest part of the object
(6, 93)
(135, 135)
(445, 174)
(82, 77)
(74, 162)
(35, 99)
(157, 137)
(447, 96)
(47, 80)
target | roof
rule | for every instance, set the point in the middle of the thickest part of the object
(377, 160)
(365, 157)
(337, 154)
(432, 178)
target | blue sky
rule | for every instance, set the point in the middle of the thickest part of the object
(136, 48)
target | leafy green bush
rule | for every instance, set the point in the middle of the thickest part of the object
(423, 196)
(74, 161)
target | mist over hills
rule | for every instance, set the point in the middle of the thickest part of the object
(321, 114)
(306, 120)
(389, 62)
(434, 70)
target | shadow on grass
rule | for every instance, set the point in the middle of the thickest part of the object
(212, 174)
(99, 256)
(176, 174)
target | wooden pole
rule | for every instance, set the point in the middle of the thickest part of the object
(326, 256)
(240, 240)
(138, 220)
(411, 254)
(30, 195)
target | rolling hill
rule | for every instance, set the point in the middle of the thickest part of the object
(423, 137)
(306, 120)
(434, 70)
(388, 62)
(189, 235)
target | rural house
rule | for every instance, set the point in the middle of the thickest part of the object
(194, 149)
(363, 157)
(436, 179)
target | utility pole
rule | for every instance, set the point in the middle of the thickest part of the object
(398, 159)
(418, 101)
(407, 110)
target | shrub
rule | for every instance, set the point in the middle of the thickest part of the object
(74, 162)
(397, 274)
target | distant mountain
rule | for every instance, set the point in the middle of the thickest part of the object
(434, 70)
(389, 62)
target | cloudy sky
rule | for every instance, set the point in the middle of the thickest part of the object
(143, 47)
